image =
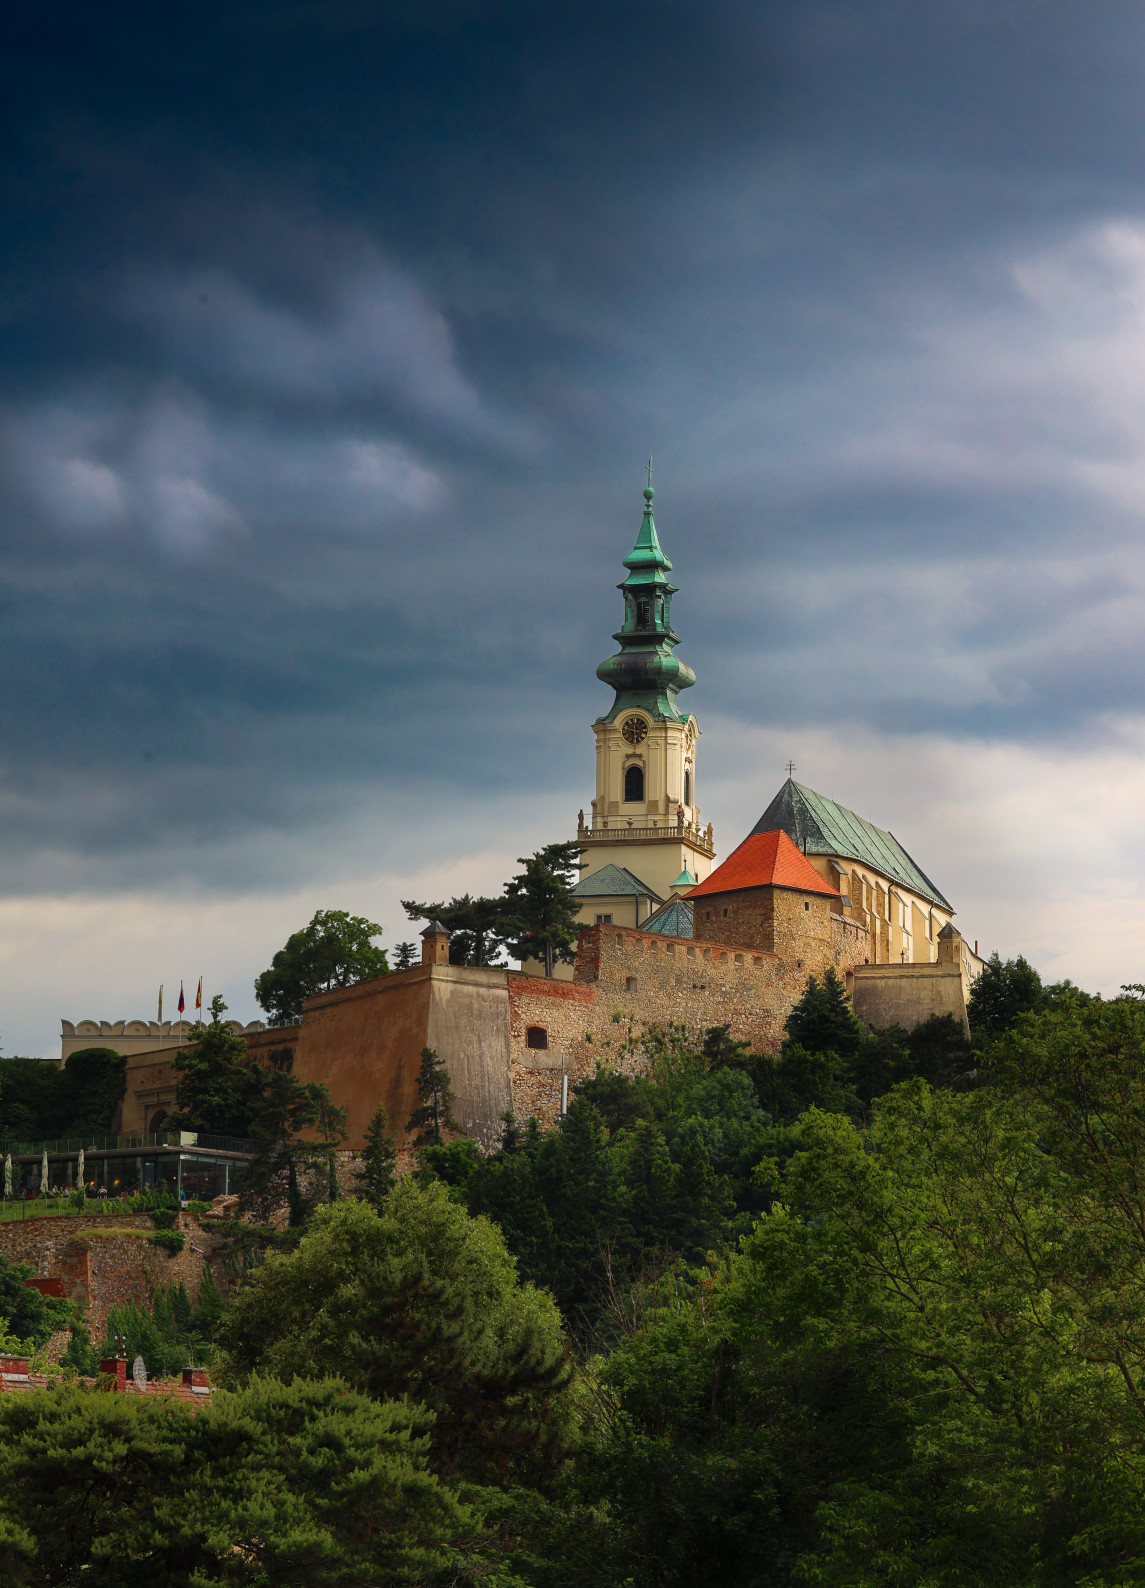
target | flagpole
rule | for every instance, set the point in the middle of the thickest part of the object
(160, 1016)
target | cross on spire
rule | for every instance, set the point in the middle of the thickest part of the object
(790, 768)
(649, 471)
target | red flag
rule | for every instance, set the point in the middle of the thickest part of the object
(182, 1005)
(199, 996)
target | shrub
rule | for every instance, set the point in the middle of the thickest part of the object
(172, 1241)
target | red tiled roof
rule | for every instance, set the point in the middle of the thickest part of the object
(761, 861)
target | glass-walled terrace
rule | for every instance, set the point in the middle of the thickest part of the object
(192, 1164)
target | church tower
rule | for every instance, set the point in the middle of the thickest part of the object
(645, 814)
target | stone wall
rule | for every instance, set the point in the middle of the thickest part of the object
(628, 980)
(798, 927)
(365, 1043)
(105, 1260)
(906, 995)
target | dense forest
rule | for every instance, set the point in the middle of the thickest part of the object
(867, 1312)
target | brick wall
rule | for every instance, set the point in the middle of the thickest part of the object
(105, 1260)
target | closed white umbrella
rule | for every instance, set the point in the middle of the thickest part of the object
(44, 1174)
(79, 1172)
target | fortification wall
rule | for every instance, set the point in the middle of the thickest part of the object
(104, 1260)
(365, 1043)
(628, 980)
(906, 995)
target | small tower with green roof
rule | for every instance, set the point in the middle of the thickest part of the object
(645, 812)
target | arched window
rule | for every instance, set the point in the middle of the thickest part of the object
(687, 786)
(633, 784)
(536, 1037)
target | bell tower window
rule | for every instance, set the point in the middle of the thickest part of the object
(643, 614)
(687, 785)
(633, 785)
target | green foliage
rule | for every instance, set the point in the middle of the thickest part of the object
(823, 1020)
(376, 1172)
(39, 1101)
(286, 1109)
(420, 1300)
(1002, 992)
(172, 1335)
(477, 927)
(219, 1086)
(26, 1315)
(335, 950)
(435, 1112)
(405, 956)
(305, 1484)
(542, 910)
(640, 1171)
(171, 1241)
(922, 1367)
(80, 1357)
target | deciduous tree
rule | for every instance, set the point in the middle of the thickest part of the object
(335, 950)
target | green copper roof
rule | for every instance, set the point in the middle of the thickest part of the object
(674, 920)
(644, 672)
(821, 827)
(685, 879)
(613, 882)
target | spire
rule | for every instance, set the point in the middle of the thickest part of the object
(645, 673)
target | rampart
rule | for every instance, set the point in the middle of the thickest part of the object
(106, 1259)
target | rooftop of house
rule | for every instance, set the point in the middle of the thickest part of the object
(820, 826)
(613, 882)
(765, 860)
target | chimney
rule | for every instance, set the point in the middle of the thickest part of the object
(13, 1367)
(115, 1367)
(435, 944)
(197, 1379)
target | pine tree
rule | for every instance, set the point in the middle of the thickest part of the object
(823, 1020)
(405, 955)
(376, 1175)
(437, 1100)
(544, 909)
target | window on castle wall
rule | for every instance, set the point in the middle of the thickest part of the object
(725, 915)
(634, 785)
(604, 920)
(806, 906)
(687, 787)
(536, 1037)
(630, 984)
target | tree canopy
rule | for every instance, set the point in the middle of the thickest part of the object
(39, 1100)
(334, 950)
(542, 911)
(302, 1484)
(419, 1299)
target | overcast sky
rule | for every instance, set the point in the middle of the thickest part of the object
(334, 339)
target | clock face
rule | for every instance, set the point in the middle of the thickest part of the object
(634, 730)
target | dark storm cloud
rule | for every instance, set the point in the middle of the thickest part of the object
(334, 337)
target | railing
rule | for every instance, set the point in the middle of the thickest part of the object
(69, 1146)
(603, 833)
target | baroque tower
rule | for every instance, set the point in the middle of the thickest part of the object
(645, 814)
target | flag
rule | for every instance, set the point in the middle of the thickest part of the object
(199, 996)
(182, 1004)
(160, 1003)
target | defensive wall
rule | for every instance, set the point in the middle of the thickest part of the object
(365, 1043)
(905, 995)
(105, 1259)
(506, 1037)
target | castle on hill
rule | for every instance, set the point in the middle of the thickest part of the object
(667, 934)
